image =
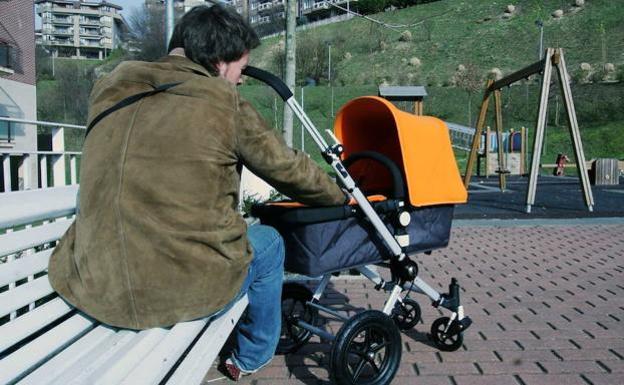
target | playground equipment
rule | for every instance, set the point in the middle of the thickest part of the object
(413, 94)
(514, 152)
(553, 57)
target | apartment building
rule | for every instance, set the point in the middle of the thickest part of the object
(86, 29)
(267, 16)
(18, 95)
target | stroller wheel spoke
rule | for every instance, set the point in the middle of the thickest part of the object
(358, 370)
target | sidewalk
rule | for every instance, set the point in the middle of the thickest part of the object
(547, 303)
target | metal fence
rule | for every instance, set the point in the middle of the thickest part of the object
(18, 165)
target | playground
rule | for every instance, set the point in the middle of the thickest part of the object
(557, 197)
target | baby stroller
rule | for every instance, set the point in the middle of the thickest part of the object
(406, 166)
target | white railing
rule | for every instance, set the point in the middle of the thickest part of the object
(54, 159)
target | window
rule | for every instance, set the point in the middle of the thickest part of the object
(5, 131)
(5, 55)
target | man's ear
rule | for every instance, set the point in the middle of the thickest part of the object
(221, 68)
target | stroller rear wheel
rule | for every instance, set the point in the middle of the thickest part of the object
(294, 308)
(448, 341)
(367, 350)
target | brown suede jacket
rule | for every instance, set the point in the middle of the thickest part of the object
(158, 238)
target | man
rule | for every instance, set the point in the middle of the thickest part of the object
(158, 238)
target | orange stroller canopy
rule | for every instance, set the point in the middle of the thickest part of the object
(419, 145)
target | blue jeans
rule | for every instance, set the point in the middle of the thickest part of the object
(258, 332)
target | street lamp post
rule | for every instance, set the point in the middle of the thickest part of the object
(540, 25)
(169, 18)
(329, 78)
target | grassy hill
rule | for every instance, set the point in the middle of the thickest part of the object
(448, 33)
(478, 34)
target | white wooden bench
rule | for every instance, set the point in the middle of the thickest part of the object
(43, 340)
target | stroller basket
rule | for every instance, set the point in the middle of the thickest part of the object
(319, 240)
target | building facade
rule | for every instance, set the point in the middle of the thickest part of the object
(86, 29)
(268, 16)
(18, 94)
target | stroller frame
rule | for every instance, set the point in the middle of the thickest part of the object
(446, 331)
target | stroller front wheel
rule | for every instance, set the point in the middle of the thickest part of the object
(406, 314)
(446, 340)
(367, 350)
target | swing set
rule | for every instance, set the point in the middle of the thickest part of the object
(554, 57)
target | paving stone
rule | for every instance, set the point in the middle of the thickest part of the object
(584, 354)
(565, 367)
(422, 380)
(526, 355)
(604, 378)
(447, 368)
(552, 379)
(502, 379)
(612, 366)
(513, 367)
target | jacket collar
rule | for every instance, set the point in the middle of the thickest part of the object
(185, 64)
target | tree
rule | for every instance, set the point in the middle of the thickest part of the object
(147, 33)
(468, 78)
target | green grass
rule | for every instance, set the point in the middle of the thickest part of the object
(454, 32)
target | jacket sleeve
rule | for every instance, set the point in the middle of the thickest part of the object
(291, 172)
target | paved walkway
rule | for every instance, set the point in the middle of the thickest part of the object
(547, 303)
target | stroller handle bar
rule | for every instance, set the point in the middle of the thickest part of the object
(266, 77)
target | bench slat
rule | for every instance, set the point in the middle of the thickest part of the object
(197, 363)
(52, 369)
(159, 361)
(32, 354)
(24, 239)
(21, 268)
(22, 295)
(97, 356)
(25, 207)
(123, 362)
(25, 325)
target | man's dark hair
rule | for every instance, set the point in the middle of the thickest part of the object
(213, 34)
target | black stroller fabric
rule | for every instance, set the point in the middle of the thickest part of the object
(314, 249)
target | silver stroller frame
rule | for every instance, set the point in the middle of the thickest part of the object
(446, 331)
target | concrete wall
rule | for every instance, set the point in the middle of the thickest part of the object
(19, 100)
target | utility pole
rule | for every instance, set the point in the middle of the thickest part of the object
(540, 52)
(291, 23)
(331, 85)
(169, 18)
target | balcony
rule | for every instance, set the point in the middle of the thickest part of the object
(265, 6)
(68, 42)
(89, 32)
(320, 5)
(89, 21)
(62, 20)
(66, 32)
